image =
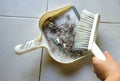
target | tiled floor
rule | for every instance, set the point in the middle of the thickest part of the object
(15, 67)
(31, 8)
(109, 10)
(18, 23)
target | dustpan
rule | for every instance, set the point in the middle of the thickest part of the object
(41, 41)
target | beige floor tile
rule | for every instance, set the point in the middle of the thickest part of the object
(109, 39)
(30, 8)
(109, 10)
(15, 67)
(77, 71)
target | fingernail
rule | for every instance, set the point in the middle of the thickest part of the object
(95, 58)
(105, 52)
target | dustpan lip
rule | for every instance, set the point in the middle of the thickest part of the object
(43, 17)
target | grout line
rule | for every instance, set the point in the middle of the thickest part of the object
(47, 5)
(119, 2)
(22, 17)
(40, 69)
(42, 50)
(25, 17)
(109, 22)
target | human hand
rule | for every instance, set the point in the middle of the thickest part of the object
(107, 70)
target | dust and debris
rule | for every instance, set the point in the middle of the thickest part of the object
(61, 37)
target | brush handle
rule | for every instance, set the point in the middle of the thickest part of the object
(97, 52)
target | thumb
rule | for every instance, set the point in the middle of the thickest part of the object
(97, 61)
(98, 65)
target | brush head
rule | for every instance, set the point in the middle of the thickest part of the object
(86, 32)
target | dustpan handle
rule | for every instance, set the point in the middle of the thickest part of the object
(30, 45)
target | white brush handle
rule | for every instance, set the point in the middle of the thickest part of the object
(97, 52)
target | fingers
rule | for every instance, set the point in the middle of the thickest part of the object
(95, 61)
(105, 69)
(98, 64)
(107, 55)
(100, 77)
(99, 67)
